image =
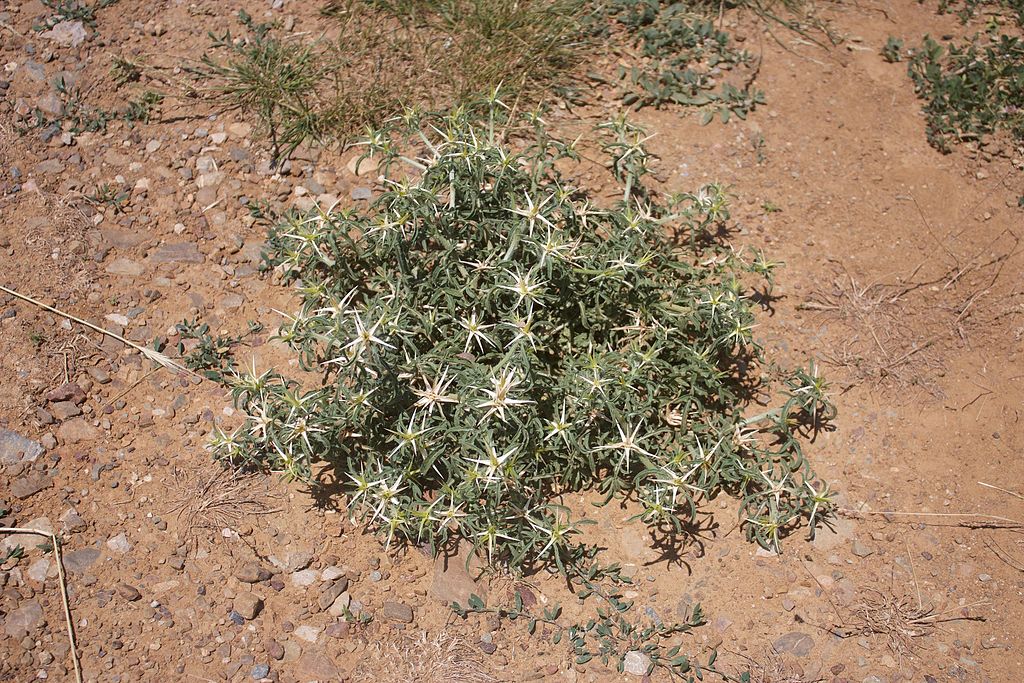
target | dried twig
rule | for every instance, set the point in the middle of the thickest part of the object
(55, 544)
(1003, 522)
(152, 354)
(997, 488)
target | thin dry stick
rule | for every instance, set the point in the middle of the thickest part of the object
(54, 543)
(152, 354)
(996, 518)
(992, 486)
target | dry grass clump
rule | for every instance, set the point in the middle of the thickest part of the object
(214, 498)
(377, 57)
(445, 658)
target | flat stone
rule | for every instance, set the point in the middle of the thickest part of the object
(65, 410)
(15, 448)
(308, 633)
(331, 573)
(861, 550)
(119, 543)
(77, 430)
(340, 607)
(306, 577)
(26, 619)
(66, 33)
(397, 611)
(77, 561)
(178, 252)
(796, 643)
(29, 485)
(636, 663)
(50, 165)
(300, 559)
(122, 239)
(124, 266)
(232, 301)
(29, 540)
(249, 605)
(38, 570)
(316, 666)
(452, 582)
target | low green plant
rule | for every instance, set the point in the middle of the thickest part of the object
(110, 196)
(140, 109)
(892, 51)
(125, 71)
(966, 10)
(611, 636)
(684, 60)
(212, 355)
(72, 10)
(971, 91)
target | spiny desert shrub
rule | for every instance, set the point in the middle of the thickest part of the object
(487, 337)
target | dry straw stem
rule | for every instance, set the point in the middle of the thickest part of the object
(152, 354)
(55, 544)
(985, 520)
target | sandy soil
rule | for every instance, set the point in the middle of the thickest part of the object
(903, 278)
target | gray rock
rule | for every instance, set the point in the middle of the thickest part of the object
(122, 239)
(66, 33)
(119, 543)
(397, 611)
(180, 252)
(29, 540)
(232, 301)
(29, 485)
(15, 448)
(340, 607)
(361, 193)
(861, 550)
(249, 605)
(795, 643)
(260, 671)
(77, 561)
(636, 663)
(50, 104)
(306, 577)
(25, 619)
(299, 560)
(72, 521)
(69, 391)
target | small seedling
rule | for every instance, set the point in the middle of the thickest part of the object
(110, 196)
(892, 51)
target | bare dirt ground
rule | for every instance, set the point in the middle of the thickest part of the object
(903, 278)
